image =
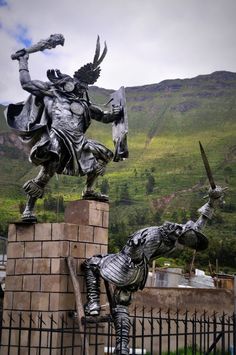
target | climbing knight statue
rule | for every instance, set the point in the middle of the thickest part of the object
(53, 121)
(127, 270)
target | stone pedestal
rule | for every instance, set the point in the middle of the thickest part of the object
(38, 280)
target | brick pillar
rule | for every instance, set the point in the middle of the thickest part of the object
(37, 279)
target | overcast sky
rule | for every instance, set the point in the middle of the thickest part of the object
(148, 40)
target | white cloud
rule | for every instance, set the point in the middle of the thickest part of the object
(147, 41)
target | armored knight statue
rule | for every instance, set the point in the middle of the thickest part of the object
(53, 122)
(128, 269)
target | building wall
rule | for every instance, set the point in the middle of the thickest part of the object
(219, 300)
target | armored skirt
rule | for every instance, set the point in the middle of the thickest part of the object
(74, 153)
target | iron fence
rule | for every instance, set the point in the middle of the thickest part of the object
(152, 332)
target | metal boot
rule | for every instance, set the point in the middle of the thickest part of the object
(92, 307)
(122, 326)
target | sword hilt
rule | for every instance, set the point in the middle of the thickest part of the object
(216, 196)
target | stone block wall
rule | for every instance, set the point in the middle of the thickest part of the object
(38, 279)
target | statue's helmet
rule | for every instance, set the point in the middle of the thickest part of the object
(58, 78)
(86, 75)
(192, 237)
(66, 82)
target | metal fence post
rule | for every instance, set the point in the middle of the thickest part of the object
(234, 318)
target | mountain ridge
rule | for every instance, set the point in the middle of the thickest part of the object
(167, 107)
(220, 75)
(164, 177)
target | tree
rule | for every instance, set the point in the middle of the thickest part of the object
(183, 215)
(60, 204)
(55, 204)
(124, 193)
(150, 184)
(21, 206)
(105, 186)
(135, 172)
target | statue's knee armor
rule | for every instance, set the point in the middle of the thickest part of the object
(122, 297)
(33, 189)
(100, 168)
(92, 263)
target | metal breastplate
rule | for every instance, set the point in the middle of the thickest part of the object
(68, 116)
(77, 108)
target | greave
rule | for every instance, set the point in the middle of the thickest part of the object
(92, 177)
(122, 326)
(92, 281)
(35, 187)
(32, 189)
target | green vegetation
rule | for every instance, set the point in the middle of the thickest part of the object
(164, 177)
(191, 351)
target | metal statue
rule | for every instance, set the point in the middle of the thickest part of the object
(53, 121)
(128, 269)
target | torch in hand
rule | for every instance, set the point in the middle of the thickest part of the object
(49, 43)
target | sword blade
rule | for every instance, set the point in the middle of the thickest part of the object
(207, 167)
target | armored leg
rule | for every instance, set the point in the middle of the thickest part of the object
(35, 189)
(28, 214)
(103, 156)
(92, 279)
(89, 192)
(120, 314)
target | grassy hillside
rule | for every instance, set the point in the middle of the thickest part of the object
(164, 177)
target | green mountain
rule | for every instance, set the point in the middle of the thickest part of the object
(164, 177)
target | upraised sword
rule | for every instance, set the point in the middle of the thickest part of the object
(207, 167)
(48, 43)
